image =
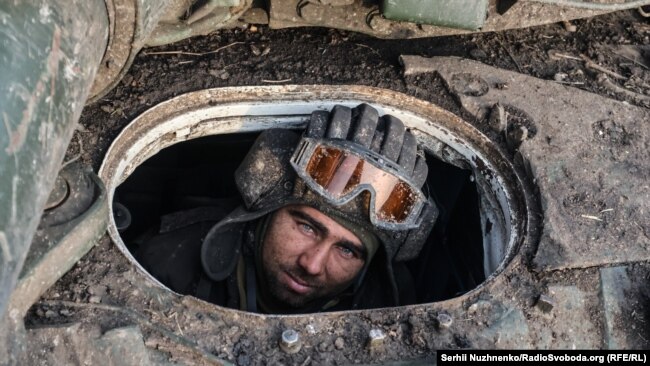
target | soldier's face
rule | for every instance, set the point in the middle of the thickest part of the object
(306, 255)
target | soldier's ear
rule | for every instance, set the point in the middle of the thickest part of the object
(266, 166)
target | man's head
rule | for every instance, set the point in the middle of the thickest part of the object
(351, 179)
(306, 255)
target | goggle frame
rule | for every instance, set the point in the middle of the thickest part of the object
(306, 149)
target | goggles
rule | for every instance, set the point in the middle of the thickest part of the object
(339, 170)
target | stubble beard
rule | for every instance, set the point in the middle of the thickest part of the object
(283, 295)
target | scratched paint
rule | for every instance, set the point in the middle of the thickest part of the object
(45, 12)
(5, 249)
(17, 137)
(49, 53)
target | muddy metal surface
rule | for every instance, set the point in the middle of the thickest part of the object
(580, 281)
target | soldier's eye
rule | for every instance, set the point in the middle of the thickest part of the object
(307, 228)
(347, 252)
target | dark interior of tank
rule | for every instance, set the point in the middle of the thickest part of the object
(200, 172)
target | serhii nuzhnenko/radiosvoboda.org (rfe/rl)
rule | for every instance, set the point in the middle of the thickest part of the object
(521, 358)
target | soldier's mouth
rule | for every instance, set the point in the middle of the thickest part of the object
(295, 284)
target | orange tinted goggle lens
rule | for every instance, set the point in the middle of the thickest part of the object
(339, 172)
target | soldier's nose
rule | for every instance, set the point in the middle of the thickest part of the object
(313, 260)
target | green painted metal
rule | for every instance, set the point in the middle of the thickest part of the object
(49, 53)
(210, 16)
(463, 14)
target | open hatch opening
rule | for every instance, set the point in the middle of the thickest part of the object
(200, 173)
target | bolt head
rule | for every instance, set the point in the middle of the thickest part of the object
(376, 337)
(290, 341)
(444, 320)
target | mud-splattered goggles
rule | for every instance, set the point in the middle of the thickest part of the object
(339, 170)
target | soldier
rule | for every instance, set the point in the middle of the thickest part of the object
(326, 221)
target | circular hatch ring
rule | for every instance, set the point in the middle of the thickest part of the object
(254, 108)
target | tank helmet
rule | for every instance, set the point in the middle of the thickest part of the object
(352, 165)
